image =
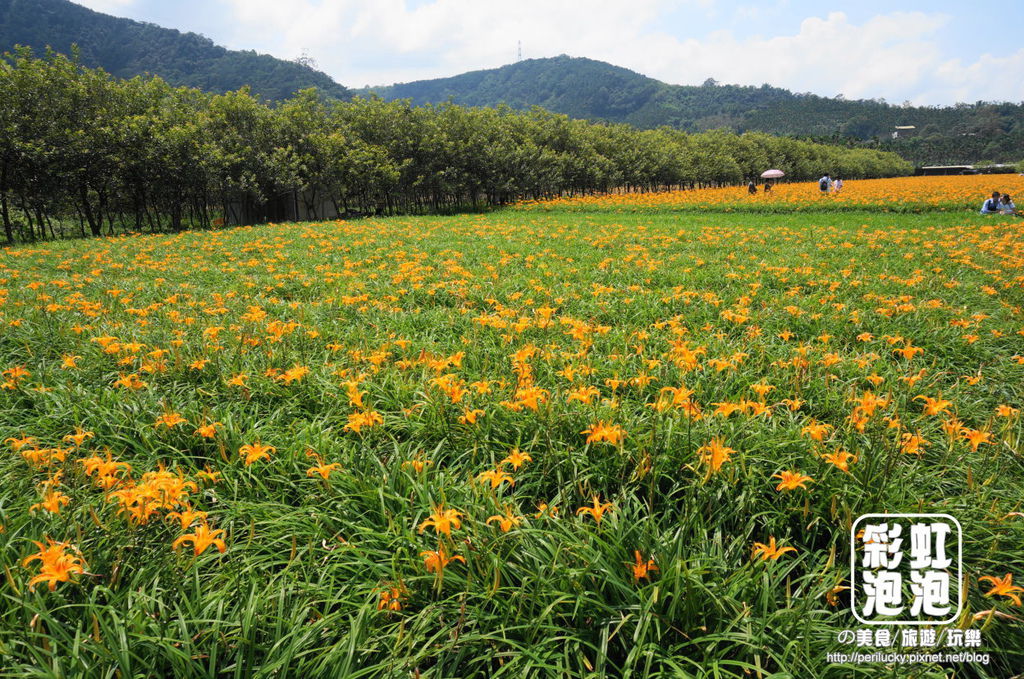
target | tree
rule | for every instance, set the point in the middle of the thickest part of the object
(79, 146)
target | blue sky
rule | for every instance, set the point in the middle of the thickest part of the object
(937, 52)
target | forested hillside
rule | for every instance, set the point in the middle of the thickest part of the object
(585, 88)
(127, 48)
(579, 88)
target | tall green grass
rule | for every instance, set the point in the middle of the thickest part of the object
(296, 593)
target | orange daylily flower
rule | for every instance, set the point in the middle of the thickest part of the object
(169, 420)
(58, 561)
(640, 567)
(208, 431)
(52, 501)
(770, 550)
(79, 437)
(816, 430)
(543, 509)
(714, 454)
(495, 477)
(256, 451)
(418, 464)
(470, 416)
(831, 596)
(17, 444)
(323, 470)
(210, 475)
(435, 561)
(186, 517)
(201, 538)
(913, 444)
(975, 437)
(1003, 586)
(605, 432)
(505, 521)
(840, 459)
(933, 406)
(391, 598)
(516, 458)
(597, 510)
(443, 521)
(358, 421)
(791, 480)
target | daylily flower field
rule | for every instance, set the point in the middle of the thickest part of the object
(900, 194)
(587, 438)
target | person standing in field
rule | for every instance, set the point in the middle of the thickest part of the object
(751, 187)
(824, 184)
(837, 185)
(767, 186)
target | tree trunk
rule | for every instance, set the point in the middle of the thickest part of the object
(176, 217)
(94, 225)
(4, 211)
(8, 227)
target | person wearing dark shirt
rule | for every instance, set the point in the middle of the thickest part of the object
(825, 184)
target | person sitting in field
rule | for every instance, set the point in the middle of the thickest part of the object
(1006, 206)
(751, 187)
(837, 185)
(767, 186)
(991, 205)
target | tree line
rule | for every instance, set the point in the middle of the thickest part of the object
(83, 153)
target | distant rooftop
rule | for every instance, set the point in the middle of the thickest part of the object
(963, 167)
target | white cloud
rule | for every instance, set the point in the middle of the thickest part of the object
(887, 56)
(106, 6)
(990, 78)
(895, 55)
(444, 37)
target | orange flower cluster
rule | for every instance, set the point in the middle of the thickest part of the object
(896, 194)
(159, 491)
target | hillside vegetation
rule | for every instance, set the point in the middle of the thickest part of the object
(585, 88)
(577, 87)
(128, 48)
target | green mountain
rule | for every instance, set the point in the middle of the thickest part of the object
(579, 88)
(127, 48)
(585, 88)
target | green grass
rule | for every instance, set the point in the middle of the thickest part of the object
(296, 592)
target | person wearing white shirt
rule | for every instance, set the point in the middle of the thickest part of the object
(991, 205)
(1006, 206)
